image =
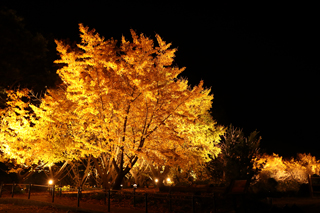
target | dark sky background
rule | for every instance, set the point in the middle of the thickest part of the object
(260, 60)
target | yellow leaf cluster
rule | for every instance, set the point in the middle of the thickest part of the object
(120, 99)
(293, 169)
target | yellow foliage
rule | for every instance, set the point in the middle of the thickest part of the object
(120, 101)
(294, 169)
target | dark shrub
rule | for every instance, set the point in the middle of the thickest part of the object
(304, 190)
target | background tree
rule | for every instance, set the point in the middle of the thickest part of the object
(25, 143)
(25, 59)
(28, 135)
(237, 157)
(25, 62)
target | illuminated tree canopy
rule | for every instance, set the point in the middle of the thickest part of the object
(117, 103)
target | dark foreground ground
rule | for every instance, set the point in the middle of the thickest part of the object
(42, 203)
(29, 208)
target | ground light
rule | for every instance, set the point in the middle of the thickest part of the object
(169, 181)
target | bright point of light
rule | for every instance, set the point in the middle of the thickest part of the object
(168, 179)
(50, 182)
(156, 180)
(121, 185)
(135, 185)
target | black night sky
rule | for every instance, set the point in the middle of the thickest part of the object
(261, 60)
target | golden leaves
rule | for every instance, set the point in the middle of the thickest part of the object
(126, 98)
(287, 170)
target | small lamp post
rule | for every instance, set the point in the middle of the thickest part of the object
(50, 182)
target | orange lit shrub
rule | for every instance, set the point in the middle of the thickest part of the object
(288, 175)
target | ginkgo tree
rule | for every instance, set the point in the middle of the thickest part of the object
(119, 103)
(28, 138)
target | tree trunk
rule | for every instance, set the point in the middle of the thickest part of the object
(121, 171)
(105, 172)
(160, 181)
(118, 181)
(224, 170)
(26, 175)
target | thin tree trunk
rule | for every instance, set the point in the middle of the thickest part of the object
(121, 173)
(118, 181)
